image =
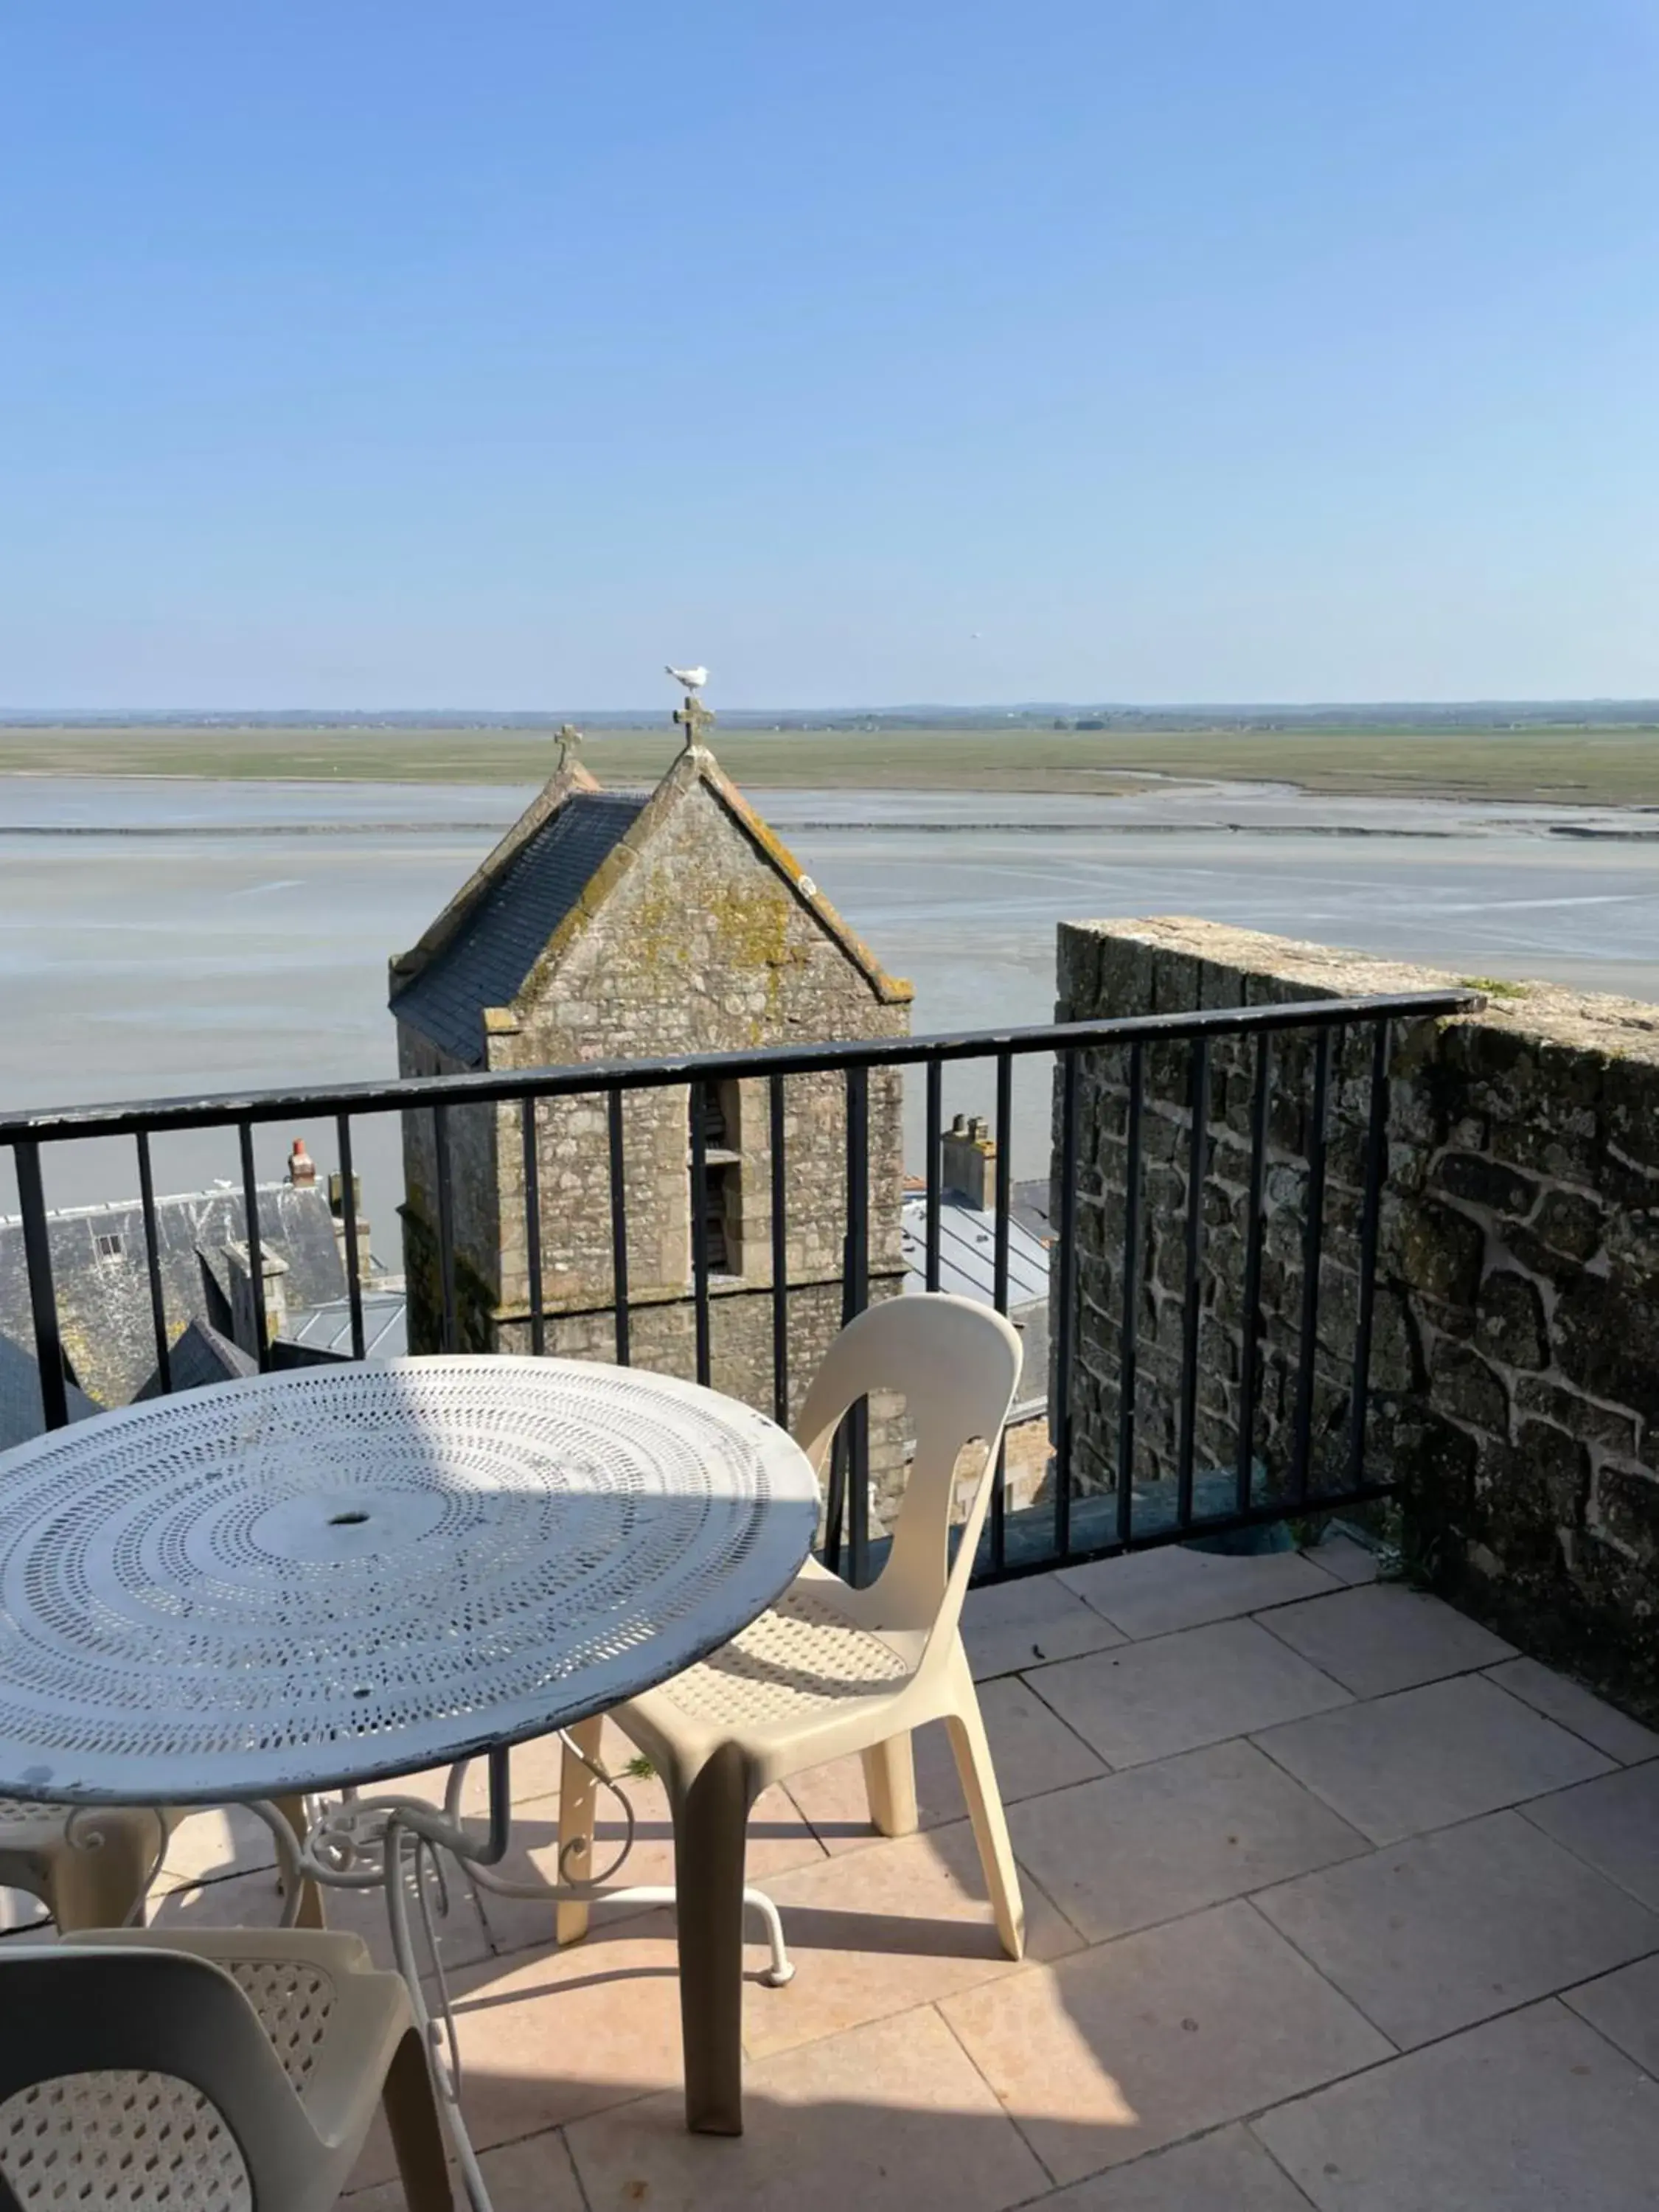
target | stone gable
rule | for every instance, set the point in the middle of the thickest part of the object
(697, 932)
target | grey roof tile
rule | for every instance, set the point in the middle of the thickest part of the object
(486, 962)
(21, 1415)
(102, 1281)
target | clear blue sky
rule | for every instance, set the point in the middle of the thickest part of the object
(425, 355)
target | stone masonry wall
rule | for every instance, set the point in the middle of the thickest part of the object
(1514, 1372)
(699, 947)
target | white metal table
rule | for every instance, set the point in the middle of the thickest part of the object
(335, 1576)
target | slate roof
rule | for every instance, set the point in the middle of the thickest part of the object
(326, 1330)
(21, 1415)
(967, 1252)
(488, 957)
(202, 1355)
(102, 1282)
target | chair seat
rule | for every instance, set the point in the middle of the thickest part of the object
(801, 1660)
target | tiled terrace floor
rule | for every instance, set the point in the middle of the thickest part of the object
(1332, 1900)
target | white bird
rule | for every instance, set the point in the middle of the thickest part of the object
(688, 679)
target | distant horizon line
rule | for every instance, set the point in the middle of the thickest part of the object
(639, 717)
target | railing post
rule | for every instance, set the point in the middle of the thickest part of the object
(256, 1251)
(855, 1295)
(1066, 1304)
(349, 1226)
(158, 1304)
(445, 1228)
(774, 1105)
(43, 1298)
(619, 1157)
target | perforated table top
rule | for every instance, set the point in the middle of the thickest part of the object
(347, 1573)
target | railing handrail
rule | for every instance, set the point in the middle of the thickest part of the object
(569, 1079)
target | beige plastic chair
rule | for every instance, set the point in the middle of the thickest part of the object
(96, 1873)
(95, 1876)
(235, 2070)
(830, 1670)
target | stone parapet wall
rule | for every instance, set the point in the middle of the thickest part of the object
(1515, 1368)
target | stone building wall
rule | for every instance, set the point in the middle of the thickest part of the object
(1514, 1372)
(698, 945)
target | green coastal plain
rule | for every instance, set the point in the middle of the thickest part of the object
(1576, 764)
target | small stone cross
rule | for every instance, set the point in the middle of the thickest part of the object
(695, 718)
(570, 738)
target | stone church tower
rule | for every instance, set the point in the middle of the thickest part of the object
(627, 925)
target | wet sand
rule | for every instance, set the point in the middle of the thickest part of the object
(159, 938)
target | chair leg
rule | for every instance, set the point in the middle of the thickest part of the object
(418, 2135)
(97, 1884)
(710, 1820)
(890, 1784)
(578, 1788)
(310, 1914)
(979, 1787)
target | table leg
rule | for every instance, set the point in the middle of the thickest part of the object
(711, 1819)
(578, 1788)
(311, 1913)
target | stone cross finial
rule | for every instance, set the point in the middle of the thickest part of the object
(695, 718)
(570, 738)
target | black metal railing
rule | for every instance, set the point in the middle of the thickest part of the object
(1088, 1512)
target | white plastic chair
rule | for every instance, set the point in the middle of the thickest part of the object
(830, 1670)
(234, 2070)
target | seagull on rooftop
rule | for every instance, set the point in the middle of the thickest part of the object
(688, 679)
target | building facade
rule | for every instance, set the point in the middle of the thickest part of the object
(611, 926)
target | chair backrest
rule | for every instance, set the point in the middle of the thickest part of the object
(108, 2053)
(957, 1363)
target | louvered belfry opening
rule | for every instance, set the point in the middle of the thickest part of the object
(716, 1106)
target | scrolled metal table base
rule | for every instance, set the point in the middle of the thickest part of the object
(397, 1844)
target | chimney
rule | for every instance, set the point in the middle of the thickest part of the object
(244, 1326)
(301, 1168)
(337, 1207)
(969, 1163)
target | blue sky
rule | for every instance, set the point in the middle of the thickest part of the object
(1133, 350)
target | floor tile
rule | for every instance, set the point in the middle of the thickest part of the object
(899, 1925)
(1530, 2113)
(1350, 1562)
(779, 1839)
(218, 1840)
(1385, 1637)
(1614, 1823)
(1030, 1749)
(1624, 2006)
(888, 2119)
(1022, 1624)
(1431, 1936)
(1146, 1701)
(1159, 1840)
(548, 2036)
(1425, 1758)
(1131, 2045)
(1598, 1722)
(252, 1901)
(1227, 2172)
(536, 2176)
(1154, 1593)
